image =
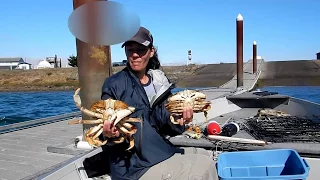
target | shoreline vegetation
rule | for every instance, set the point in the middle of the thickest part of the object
(65, 79)
(274, 73)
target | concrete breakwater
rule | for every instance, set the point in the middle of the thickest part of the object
(290, 73)
(211, 75)
(274, 73)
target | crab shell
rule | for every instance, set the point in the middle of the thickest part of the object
(188, 97)
(111, 110)
(195, 99)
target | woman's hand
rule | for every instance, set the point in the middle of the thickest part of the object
(187, 116)
(109, 130)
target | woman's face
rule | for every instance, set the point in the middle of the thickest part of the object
(138, 56)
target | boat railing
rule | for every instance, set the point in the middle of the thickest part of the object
(37, 122)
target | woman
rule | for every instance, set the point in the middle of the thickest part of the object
(142, 85)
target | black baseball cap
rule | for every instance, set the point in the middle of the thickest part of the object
(143, 36)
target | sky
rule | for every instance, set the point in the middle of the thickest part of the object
(283, 29)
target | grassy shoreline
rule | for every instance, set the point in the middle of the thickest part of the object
(66, 79)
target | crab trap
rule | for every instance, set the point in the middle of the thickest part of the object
(284, 129)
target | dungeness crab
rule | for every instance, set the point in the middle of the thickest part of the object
(271, 112)
(193, 131)
(107, 110)
(184, 98)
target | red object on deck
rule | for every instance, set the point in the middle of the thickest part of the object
(213, 128)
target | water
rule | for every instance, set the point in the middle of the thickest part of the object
(23, 106)
(310, 93)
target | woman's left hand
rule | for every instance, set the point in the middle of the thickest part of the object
(187, 115)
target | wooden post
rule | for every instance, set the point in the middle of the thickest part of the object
(239, 26)
(94, 65)
(55, 61)
(254, 57)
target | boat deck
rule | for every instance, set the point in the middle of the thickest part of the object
(24, 152)
(28, 151)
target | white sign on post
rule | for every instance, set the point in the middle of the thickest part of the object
(189, 57)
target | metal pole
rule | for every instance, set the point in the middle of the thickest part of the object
(94, 65)
(254, 57)
(239, 26)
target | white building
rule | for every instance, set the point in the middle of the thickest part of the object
(258, 57)
(44, 64)
(10, 63)
(24, 66)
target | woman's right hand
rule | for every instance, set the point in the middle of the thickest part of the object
(109, 130)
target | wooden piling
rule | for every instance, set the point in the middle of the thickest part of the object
(254, 57)
(239, 27)
(94, 65)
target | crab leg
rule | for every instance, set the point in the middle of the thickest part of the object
(176, 113)
(98, 121)
(93, 134)
(90, 113)
(200, 99)
(90, 141)
(93, 130)
(201, 106)
(132, 119)
(131, 140)
(101, 143)
(126, 131)
(119, 140)
(179, 109)
(127, 125)
(195, 109)
(95, 142)
(98, 134)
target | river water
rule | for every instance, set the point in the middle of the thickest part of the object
(23, 106)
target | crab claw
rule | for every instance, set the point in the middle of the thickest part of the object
(121, 114)
(77, 101)
(76, 98)
(173, 120)
(112, 119)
